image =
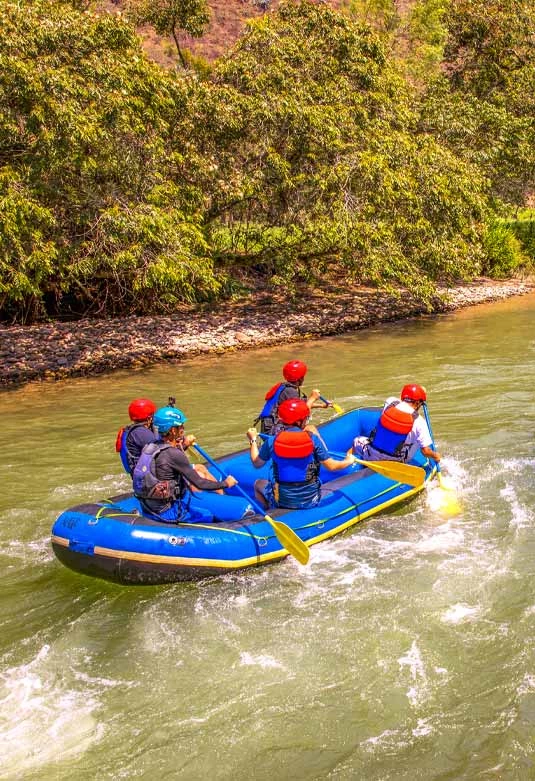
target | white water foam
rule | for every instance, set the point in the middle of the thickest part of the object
(413, 660)
(261, 660)
(423, 728)
(459, 613)
(42, 719)
(527, 685)
(105, 486)
(521, 516)
(32, 551)
(443, 538)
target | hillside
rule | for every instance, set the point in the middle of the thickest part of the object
(228, 19)
(309, 157)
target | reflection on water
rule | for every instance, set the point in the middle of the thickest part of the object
(404, 650)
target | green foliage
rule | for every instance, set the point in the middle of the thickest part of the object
(489, 43)
(305, 152)
(484, 107)
(314, 163)
(382, 15)
(172, 17)
(503, 252)
(523, 227)
(425, 36)
(27, 253)
(84, 160)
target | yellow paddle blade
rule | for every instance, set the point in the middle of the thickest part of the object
(395, 470)
(448, 502)
(337, 408)
(289, 540)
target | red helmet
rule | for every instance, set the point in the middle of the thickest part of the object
(293, 371)
(141, 409)
(293, 411)
(413, 393)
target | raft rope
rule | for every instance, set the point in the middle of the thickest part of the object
(319, 523)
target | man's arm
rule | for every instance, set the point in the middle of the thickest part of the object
(424, 439)
(254, 452)
(180, 463)
(430, 453)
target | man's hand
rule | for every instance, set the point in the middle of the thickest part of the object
(230, 481)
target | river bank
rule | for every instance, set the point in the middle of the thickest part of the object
(54, 351)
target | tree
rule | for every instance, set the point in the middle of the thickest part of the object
(483, 106)
(171, 17)
(381, 15)
(93, 214)
(489, 43)
(314, 163)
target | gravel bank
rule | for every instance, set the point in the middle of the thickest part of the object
(57, 350)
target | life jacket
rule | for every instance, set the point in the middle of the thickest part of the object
(294, 459)
(267, 416)
(146, 484)
(392, 429)
(128, 458)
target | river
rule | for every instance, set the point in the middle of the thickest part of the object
(404, 650)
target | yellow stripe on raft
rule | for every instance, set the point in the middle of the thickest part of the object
(151, 558)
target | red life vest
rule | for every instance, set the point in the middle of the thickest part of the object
(293, 444)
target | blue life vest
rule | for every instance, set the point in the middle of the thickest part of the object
(121, 446)
(268, 414)
(295, 470)
(146, 484)
(393, 427)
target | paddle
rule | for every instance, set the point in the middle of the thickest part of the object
(336, 407)
(286, 536)
(395, 470)
(450, 502)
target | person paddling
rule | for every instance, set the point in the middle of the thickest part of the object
(132, 439)
(400, 430)
(296, 455)
(294, 373)
(163, 473)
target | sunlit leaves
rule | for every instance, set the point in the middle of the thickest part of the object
(91, 210)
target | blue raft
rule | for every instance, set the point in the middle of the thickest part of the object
(111, 539)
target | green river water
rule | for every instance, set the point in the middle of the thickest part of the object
(404, 650)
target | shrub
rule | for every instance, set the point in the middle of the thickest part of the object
(503, 252)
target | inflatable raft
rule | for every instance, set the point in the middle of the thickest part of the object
(111, 539)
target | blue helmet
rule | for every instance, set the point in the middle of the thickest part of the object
(167, 417)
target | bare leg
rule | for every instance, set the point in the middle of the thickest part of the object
(202, 471)
(259, 488)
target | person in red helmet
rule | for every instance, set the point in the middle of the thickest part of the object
(294, 374)
(400, 431)
(296, 455)
(132, 439)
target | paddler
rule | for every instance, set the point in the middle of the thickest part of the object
(296, 455)
(294, 373)
(400, 432)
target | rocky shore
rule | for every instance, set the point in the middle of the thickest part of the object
(54, 351)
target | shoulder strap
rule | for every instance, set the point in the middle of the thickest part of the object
(272, 391)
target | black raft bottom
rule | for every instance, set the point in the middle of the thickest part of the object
(126, 572)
